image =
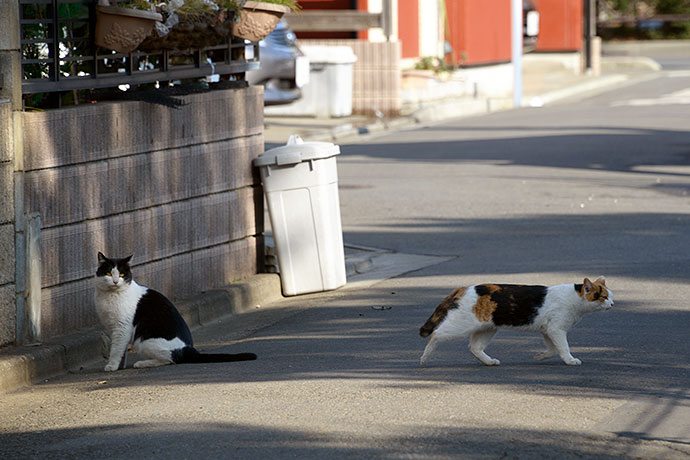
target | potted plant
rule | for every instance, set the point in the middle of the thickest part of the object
(123, 29)
(257, 19)
(186, 24)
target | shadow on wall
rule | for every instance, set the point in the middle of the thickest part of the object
(175, 187)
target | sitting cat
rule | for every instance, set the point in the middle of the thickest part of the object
(478, 311)
(146, 319)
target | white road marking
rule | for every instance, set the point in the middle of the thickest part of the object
(675, 98)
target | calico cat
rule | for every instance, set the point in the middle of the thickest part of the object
(478, 311)
(146, 319)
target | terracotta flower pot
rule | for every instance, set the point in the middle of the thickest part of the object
(123, 29)
(258, 19)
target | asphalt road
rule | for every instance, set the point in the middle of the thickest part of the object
(547, 195)
(551, 195)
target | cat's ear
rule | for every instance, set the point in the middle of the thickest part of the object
(587, 285)
(601, 280)
(127, 259)
(101, 258)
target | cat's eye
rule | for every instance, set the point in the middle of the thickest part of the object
(108, 274)
(122, 275)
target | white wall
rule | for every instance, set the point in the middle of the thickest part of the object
(431, 28)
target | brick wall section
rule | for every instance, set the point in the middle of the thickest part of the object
(376, 75)
(175, 187)
(7, 281)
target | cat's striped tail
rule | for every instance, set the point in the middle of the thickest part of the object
(190, 355)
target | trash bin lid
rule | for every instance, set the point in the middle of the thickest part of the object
(296, 153)
(327, 54)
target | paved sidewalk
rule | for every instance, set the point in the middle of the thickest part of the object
(25, 365)
(21, 366)
(543, 83)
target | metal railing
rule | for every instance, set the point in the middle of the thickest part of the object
(59, 53)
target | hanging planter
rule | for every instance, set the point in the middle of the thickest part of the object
(123, 29)
(258, 19)
(182, 25)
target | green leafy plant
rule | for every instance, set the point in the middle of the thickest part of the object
(189, 9)
(642, 9)
(192, 7)
(292, 4)
(437, 65)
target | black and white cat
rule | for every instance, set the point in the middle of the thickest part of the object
(479, 311)
(146, 319)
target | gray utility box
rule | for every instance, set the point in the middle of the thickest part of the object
(329, 91)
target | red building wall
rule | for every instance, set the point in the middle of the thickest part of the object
(560, 25)
(408, 27)
(479, 33)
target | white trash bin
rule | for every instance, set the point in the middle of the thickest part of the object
(300, 180)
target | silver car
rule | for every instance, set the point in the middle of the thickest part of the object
(284, 68)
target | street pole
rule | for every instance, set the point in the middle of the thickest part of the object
(516, 46)
(590, 27)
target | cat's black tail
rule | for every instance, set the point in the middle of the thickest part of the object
(190, 355)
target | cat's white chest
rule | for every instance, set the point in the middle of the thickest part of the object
(116, 308)
(559, 309)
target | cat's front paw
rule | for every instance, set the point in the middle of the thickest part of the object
(105, 345)
(110, 367)
(573, 362)
(493, 362)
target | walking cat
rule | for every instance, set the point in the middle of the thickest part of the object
(479, 311)
(146, 319)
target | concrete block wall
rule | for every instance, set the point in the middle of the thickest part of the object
(7, 278)
(376, 75)
(174, 187)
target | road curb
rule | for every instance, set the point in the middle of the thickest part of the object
(26, 365)
(584, 87)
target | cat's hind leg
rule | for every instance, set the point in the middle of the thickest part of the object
(429, 349)
(150, 363)
(457, 325)
(550, 349)
(478, 341)
(158, 351)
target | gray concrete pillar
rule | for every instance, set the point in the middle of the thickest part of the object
(7, 250)
(12, 254)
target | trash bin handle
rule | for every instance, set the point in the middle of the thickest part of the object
(289, 158)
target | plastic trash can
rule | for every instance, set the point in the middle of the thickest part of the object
(300, 181)
(329, 91)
